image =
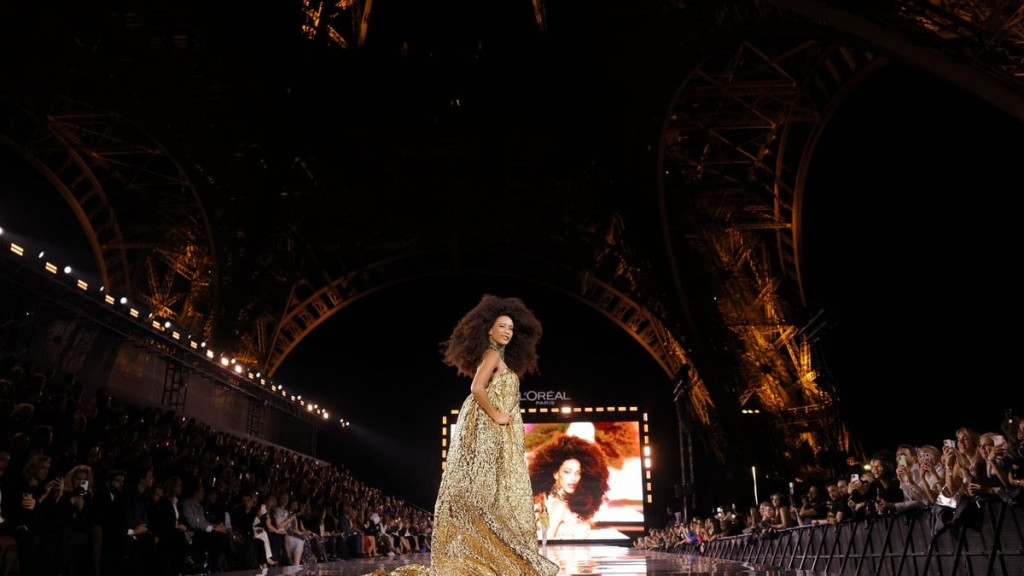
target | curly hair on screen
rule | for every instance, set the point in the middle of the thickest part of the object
(593, 486)
(468, 341)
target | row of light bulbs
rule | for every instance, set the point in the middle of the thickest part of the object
(168, 329)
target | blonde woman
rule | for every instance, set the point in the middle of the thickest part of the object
(933, 473)
(962, 460)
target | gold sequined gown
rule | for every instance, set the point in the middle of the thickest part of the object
(483, 517)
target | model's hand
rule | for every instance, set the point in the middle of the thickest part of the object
(503, 418)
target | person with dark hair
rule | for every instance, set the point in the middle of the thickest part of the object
(572, 475)
(109, 526)
(140, 543)
(9, 563)
(483, 516)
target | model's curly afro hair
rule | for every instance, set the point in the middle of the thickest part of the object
(593, 486)
(465, 347)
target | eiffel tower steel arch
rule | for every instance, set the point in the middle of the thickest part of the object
(733, 157)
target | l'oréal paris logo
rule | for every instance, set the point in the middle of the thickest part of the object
(543, 397)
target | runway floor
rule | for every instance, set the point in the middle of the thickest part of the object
(592, 560)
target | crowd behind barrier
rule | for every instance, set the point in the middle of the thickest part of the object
(913, 510)
(102, 487)
(98, 486)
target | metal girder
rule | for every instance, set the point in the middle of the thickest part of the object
(175, 391)
(973, 43)
(147, 227)
(735, 150)
(346, 23)
(341, 23)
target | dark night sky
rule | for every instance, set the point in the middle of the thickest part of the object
(913, 244)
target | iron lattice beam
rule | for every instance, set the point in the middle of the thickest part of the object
(735, 149)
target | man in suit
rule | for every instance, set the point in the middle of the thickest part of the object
(351, 534)
(211, 540)
(140, 544)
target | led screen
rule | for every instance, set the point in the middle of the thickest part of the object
(589, 475)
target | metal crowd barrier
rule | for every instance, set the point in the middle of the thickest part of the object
(898, 545)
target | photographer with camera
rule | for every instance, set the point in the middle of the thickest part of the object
(32, 515)
(67, 538)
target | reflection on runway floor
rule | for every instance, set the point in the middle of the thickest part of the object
(572, 559)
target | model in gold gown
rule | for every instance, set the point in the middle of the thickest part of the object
(483, 517)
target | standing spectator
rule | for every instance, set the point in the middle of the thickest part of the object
(39, 496)
(109, 528)
(9, 564)
(837, 502)
(68, 536)
(908, 473)
(668, 518)
(861, 499)
(933, 473)
(168, 525)
(962, 460)
(885, 491)
(783, 514)
(813, 508)
(140, 544)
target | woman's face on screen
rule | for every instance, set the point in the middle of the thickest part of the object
(568, 475)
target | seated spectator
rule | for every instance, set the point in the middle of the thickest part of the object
(211, 541)
(280, 526)
(247, 551)
(352, 536)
